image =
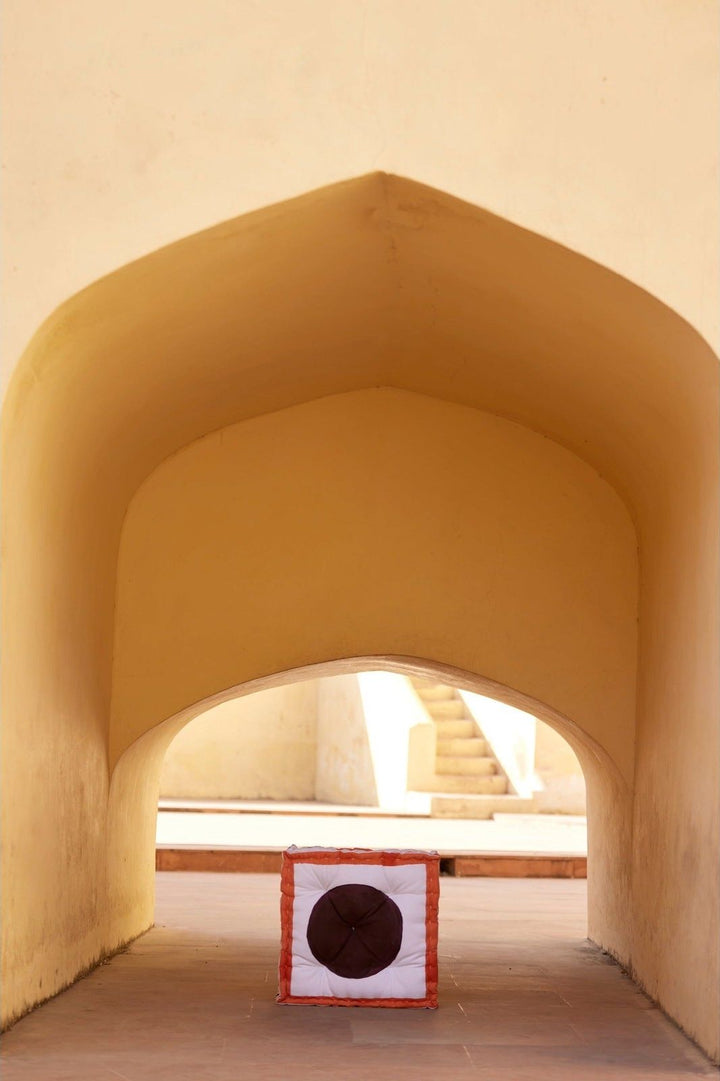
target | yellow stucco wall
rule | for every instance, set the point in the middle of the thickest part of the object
(559, 771)
(596, 129)
(537, 551)
(263, 746)
(132, 126)
(345, 772)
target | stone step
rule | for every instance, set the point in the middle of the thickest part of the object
(435, 692)
(466, 766)
(453, 805)
(455, 729)
(490, 784)
(453, 707)
(465, 747)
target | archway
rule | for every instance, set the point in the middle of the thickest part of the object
(377, 740)
(377, 283)
(137, 772)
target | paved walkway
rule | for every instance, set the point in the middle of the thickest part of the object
(276, 826)
(522, 996)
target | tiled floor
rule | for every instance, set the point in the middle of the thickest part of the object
(522, 996)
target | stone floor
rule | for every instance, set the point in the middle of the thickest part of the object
(522, 996)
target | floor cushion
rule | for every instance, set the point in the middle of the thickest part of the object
(359, 927)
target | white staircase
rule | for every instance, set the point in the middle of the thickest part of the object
(468, 781)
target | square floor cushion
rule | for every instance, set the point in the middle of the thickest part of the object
(359, 927)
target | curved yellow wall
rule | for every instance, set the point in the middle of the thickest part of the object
(377, 521)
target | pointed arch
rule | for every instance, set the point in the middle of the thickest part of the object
(375, 282)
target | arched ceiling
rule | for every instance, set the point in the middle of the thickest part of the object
(374, 281)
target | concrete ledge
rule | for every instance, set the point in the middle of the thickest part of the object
(515, 865)
(189, 858)
(267, 861)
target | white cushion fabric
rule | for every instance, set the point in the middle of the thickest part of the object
(403, 978)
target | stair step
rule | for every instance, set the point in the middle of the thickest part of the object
(480, 806)
(455, 729)
(467, 747)
(435, 692)
(477, 766)
(490, 784)
(453, 707)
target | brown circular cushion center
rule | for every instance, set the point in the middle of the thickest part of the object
(355, 930)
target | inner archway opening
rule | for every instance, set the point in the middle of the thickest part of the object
(353, 755)
(373, 759)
